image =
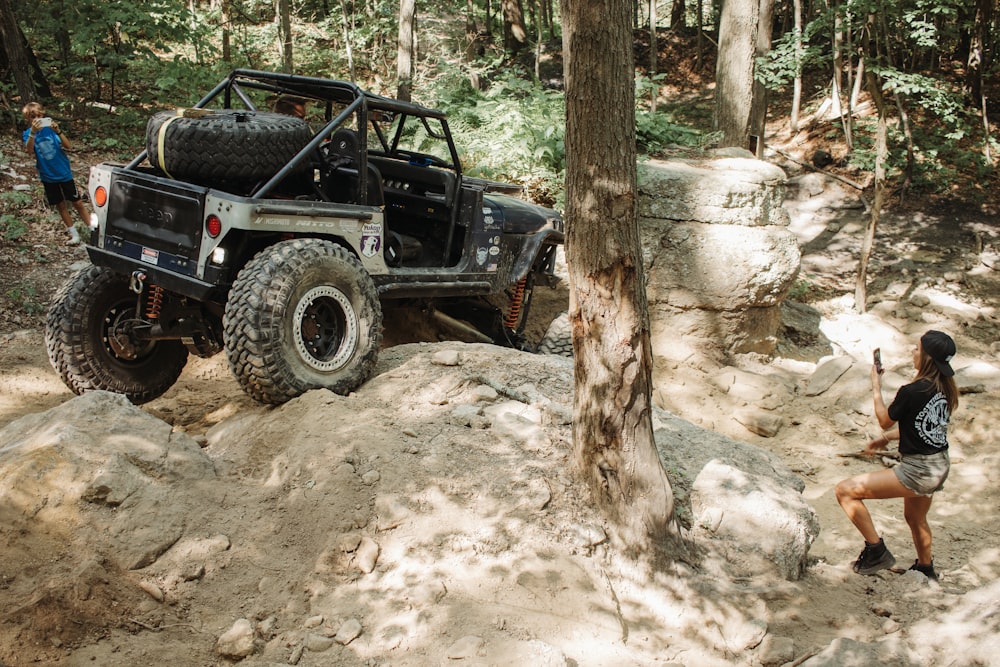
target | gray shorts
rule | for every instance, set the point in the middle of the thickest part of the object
(924, 473)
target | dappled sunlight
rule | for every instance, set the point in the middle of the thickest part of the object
(29, 388)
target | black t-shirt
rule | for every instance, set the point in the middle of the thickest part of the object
(922, 414)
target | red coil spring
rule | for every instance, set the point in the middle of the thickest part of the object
(516, 302)
(154, 302)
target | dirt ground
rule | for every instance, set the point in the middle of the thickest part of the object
(500, 533)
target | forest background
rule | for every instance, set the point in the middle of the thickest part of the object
(495, 66)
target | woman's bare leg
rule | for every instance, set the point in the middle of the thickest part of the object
(915, 512)
(870, 486)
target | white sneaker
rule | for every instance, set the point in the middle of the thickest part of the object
(74, 236)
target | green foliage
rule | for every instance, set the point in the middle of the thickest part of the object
(14, 217)
(787, 58)
(515, 130)
(12, 227)
(25, 297)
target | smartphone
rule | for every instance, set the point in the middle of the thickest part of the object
(45, 122)
(877, 355)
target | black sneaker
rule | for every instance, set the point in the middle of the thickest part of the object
(926, 570)
(874, 557)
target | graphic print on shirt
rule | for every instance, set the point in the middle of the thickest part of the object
(932, 422)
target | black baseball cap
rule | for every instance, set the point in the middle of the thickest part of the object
(941, 348)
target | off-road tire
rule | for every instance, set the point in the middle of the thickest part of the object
(224, 147)
(88, 346)
(302, 314)
(558, 338)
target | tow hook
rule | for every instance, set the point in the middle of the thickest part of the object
(136, 282)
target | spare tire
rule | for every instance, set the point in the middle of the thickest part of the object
(223, 147)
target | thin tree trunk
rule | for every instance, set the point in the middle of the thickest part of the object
(881, 151)
(346, 22)
(758, 107)
(405, 50)
(283, 17)
(654, 90)
(677, 11)
(835, 83)
(17, 54)
(225, 10)
(793, 120)
(612, 424)
(986, 134)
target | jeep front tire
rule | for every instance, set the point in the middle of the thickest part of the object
(302, 314)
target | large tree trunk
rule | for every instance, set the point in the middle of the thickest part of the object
(17, 54)
(515, 33)
(405, 50)
(612, 424)
(734, 71)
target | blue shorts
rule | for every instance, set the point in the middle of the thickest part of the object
(924, 473)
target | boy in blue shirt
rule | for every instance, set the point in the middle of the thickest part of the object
(46, 141)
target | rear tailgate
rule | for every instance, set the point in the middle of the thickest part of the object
(154, 220)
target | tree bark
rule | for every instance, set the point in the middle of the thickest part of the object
(283, 18)
(654, 91)
(793, 120)
(977, 61)
(734, 71)
(405, 50)
(612, 425)
(16, 50)
(874, 87)
(677, 11)
(758, 105)
(515, 33)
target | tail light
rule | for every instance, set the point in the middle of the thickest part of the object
(213, 225)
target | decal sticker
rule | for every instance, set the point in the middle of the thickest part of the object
(494, 251)
(150, 256)
(491, 268)
(481, 254)
(371, 239)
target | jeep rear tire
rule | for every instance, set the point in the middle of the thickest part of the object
(558, 339)
(302, 314)
(88, 336)
(224, 147)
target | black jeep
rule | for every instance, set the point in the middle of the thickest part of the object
(249, 230)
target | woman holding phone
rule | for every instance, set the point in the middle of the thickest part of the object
(918, 417)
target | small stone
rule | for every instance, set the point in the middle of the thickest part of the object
(318, 643)
(371, 477)
(774, 650)
(367, 555)
(348, 632)
(446, 358)
(237, 641)
(484, 392)
(763, 424)
(313, 622)
(468, 646)
(152, 589)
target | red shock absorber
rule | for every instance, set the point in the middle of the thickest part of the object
(154, 302)
(516, 302)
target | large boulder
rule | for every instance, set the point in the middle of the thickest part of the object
(739, 497)
(718, 253)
